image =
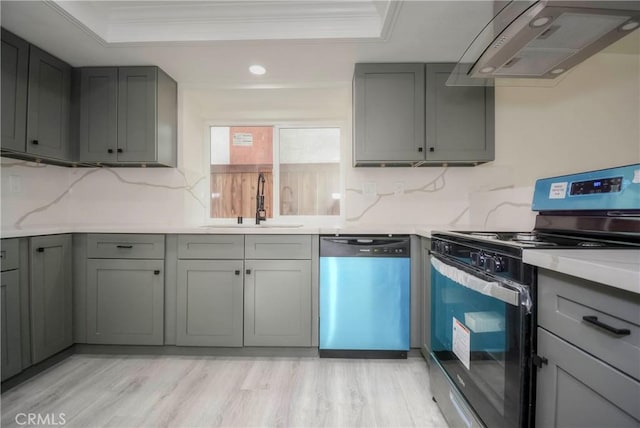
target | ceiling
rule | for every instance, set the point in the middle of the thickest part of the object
(210, 44)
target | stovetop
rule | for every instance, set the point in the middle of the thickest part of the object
(537, 239)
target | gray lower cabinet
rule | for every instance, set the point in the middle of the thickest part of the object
(277, 304)
(15, 66)
(588, 333)
(51, 295)
(210, 303)
(577, 390)
(11, 351)
(125, 301)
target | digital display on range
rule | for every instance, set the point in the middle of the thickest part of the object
(604, 185)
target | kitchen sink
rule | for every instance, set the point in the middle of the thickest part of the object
(251, 226)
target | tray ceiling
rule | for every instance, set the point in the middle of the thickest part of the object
(184, 21)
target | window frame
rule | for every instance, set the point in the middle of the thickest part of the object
(304, 220)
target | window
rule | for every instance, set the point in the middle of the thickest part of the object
(301, 167)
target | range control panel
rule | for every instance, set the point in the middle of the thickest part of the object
(614, 190)
(605, 185)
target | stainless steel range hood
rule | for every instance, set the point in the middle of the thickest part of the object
(543, 39)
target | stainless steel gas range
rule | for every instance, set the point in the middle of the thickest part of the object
(483, 297)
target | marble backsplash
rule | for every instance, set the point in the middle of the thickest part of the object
(36, 195)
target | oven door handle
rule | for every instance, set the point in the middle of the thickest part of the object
(495, 289)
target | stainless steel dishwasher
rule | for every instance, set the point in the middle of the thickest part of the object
(365, 296)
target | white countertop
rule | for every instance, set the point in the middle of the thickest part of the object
(619, 268)
(265, 228)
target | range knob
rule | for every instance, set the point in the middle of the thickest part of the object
(478, 259)
(441, 247)
(496, 264)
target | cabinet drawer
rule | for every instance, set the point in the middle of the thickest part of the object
(564, 300)
(278, 247)
(211, 247)
(577, 390)
(9, 258)
(123, 246)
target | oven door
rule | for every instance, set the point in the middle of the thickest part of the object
(480, 335)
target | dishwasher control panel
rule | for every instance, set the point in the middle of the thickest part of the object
(365, 246)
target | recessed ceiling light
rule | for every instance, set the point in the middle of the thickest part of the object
(257, 69)
(631, 25)
(539, 22)
(487, 69)
(557, 71)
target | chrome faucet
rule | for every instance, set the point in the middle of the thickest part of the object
(261, 213)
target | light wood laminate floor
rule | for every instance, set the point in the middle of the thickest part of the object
(161, 391)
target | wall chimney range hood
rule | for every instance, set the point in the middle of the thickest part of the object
(543, 39)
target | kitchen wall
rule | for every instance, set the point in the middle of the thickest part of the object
(589, 120)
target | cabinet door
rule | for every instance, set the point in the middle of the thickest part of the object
(277, 305)
(15, 62)
(48, 106)
(10, 323)
(51, 291)
(210, 302)
(577, 390)
(388, 102)
(125, 302)
(98, 114)
(137, 110)
(459, 119)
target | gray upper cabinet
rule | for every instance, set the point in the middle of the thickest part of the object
(36, 103)
(404, 114)
(51, 295)
(48, 107)
(388, 111)
(15, 66)
(98, 114)
(209, 303)
(137, 98)
(128, 116)
(460, 119)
